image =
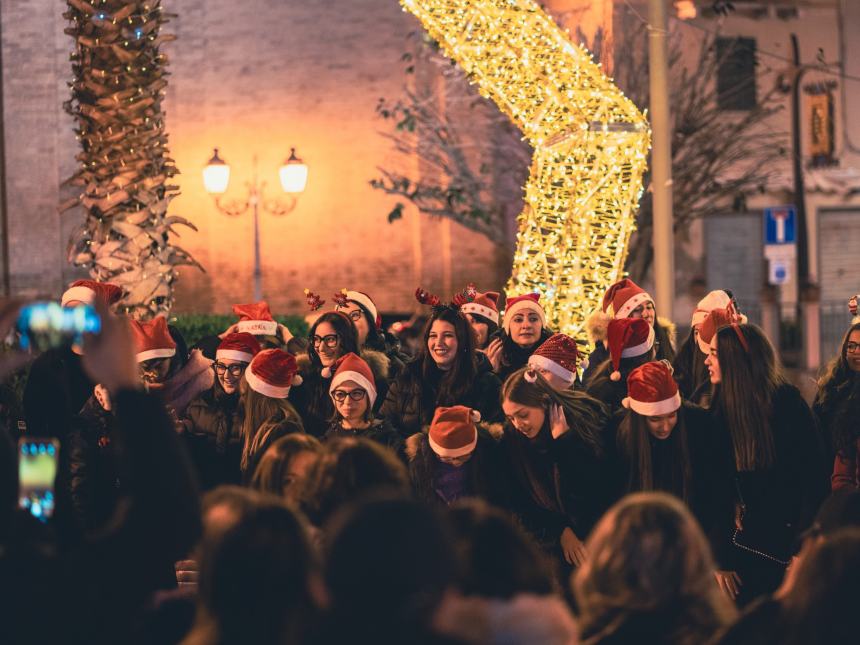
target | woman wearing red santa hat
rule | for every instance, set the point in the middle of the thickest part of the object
(557, 361)
(456, 459)
(670, 446)
(268, 415)
(445, 372)
(213, 421)
(780, 470)
(364, 314)
(626, 299)
(562, 461)
(353, 391)
(331, 336)
(523, 331)
(482, 312)
(631, 344)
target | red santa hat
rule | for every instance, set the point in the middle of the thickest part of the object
(712, 323)
(628, 338)
(652, 390)
(623, 297)
(718, 299)
(89, 291)
(472, 301)
(351, 367)
(152, 339)
(240, 346)
(453, 432)
(530, 301)
(272, 373)
(361, 298)
(255, 318)
(559, 355)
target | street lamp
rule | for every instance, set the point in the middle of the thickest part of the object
(294, 177)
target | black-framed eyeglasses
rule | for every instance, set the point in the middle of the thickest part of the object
(355, 316)
(356, 395)
(329, 341)
(236, 369)
(852, 347)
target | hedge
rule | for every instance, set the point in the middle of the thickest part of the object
(193, 327)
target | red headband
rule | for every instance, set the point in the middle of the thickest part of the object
(741, 338)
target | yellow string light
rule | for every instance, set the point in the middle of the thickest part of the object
(591, 147)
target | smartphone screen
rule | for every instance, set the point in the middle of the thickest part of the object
(44, 325)
(37, 471)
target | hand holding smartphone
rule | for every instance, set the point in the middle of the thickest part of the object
(45, 325)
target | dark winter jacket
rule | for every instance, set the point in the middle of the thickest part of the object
(711, 494)
(838, 416)
(213, 435)
(412, 401)
(781, 502)
(515, 357)
(313, 401)
(559, 483)
(484, 475)
(56, 390)
(381, 431)
(90, 467)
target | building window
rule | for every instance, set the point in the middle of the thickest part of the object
(736, 73)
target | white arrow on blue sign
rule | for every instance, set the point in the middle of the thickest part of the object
(780, 225)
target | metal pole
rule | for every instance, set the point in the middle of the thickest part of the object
(255, 203)
(797, 166)
(661, 159)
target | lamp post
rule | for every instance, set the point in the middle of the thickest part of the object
(294, 177)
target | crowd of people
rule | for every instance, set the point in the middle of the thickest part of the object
(489, 485)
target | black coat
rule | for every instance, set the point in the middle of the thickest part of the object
(56, 390)
(213, 435)
(780, 502)
(486, 476)
(412, 401)
(381, 431)
(515, 357)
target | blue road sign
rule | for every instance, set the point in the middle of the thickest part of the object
(780, 225)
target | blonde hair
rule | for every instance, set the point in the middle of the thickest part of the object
(262, 415)
(648, 558)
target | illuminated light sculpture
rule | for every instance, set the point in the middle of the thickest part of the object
(591, 147)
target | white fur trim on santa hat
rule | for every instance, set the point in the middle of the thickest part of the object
(272, 391)
(481, 310)
(258, 327)
(525, 303)
(234, 355)
(453, 452)
(654, 408)
(362, 381)
(364, 301)
(627, 308)
(638, 350)
(536, 361)
(79, 293)
(149, 354)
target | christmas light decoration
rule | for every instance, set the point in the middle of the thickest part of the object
(125, 169)
(591, 145)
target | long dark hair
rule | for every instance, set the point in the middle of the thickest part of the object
(751, 376)
(837, 386)
(457, 381)
(343, 327)
(492, 327)
(634, 441)
(691, 373)
(662, 342)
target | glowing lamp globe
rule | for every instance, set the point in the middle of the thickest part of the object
(216, 175)
(294, 174)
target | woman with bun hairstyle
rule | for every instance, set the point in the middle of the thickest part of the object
(523, 331)
(780, 472)
(331, 336)
(445, 372)
(631, 344)
(626, 299)
(482, 312)
(562, 464)
(669, 445)
(269, 416)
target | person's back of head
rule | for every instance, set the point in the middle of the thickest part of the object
(649, 571)
(273, 473)
(255, 578)
(388, 565)
(348, 469)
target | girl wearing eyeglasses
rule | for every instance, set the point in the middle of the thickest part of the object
(362, 310)
(332, 336)
(353, 392)
(213, 423)
(837, 408)
(780, 470)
